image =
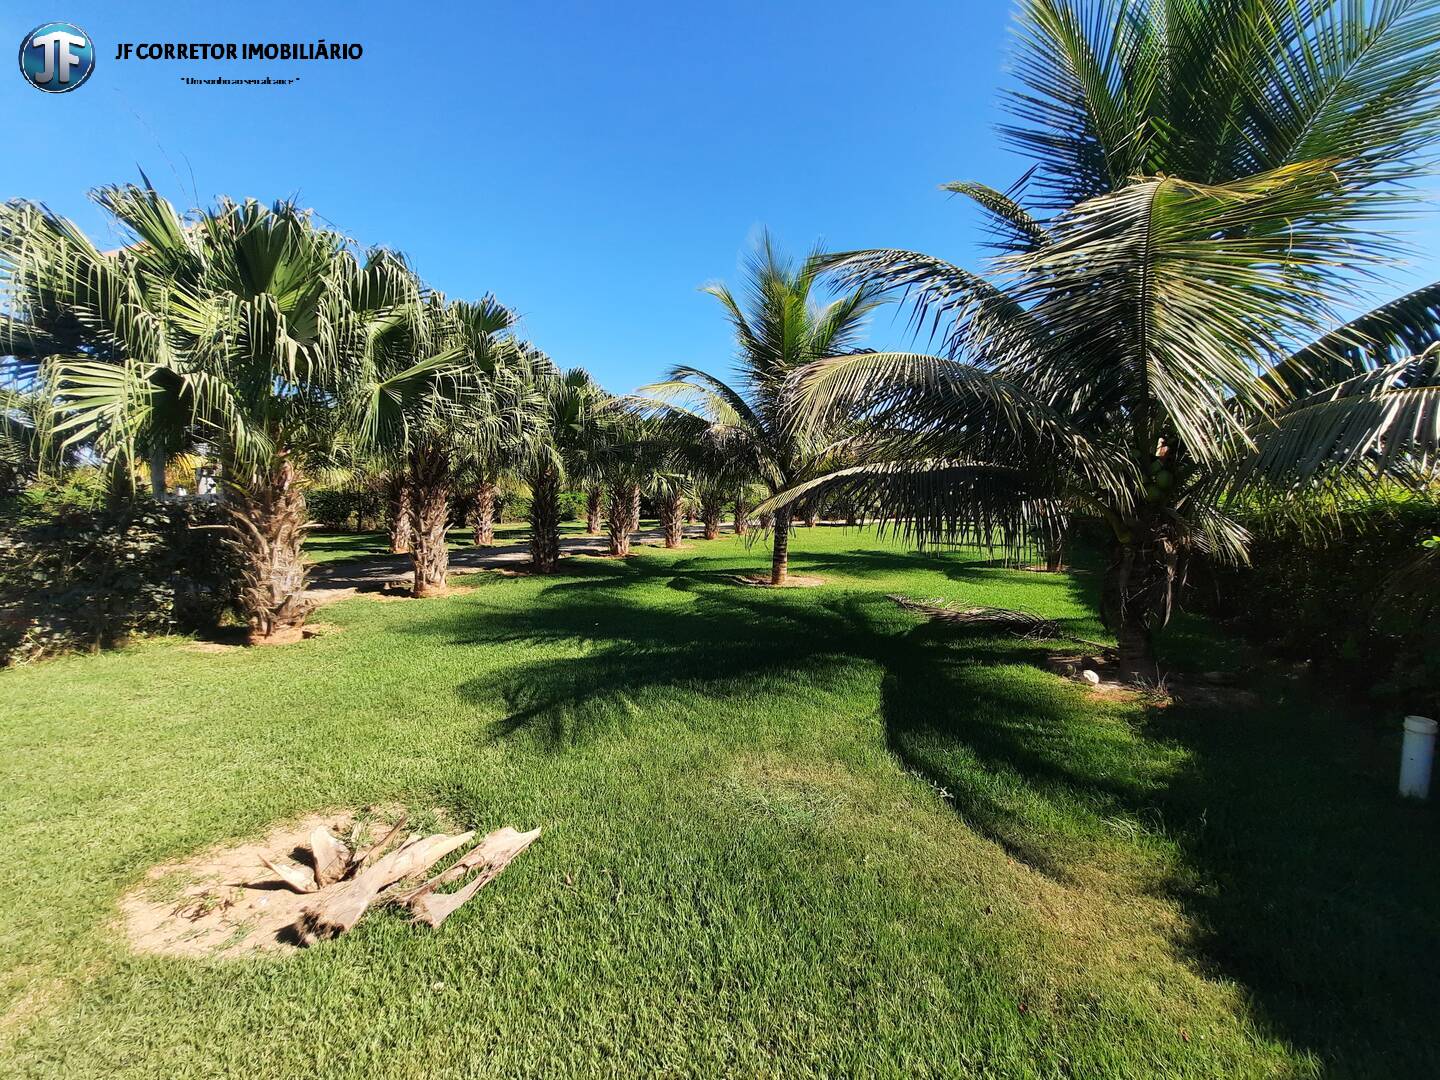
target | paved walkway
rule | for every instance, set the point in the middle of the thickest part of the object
(331, 581)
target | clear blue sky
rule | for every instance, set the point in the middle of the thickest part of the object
(592, 164)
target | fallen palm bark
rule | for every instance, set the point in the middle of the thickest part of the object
(301, 879)
(492, 854)
(363, 859)
(331, 858)
(341, 909)
(347, 882)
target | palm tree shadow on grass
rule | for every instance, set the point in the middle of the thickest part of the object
(645, 653)
(1302, 879)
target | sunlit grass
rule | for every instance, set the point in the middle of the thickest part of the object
(788, 832)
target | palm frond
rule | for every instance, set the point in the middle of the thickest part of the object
(1384, 422)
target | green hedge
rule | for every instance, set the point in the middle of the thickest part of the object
(344, 508)
(1352, 599)
(80, 578)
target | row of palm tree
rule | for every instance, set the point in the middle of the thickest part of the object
(254, 335)
(1156, 342)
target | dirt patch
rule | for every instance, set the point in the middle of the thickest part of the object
(1211, 689)
(211, 647)
(237, 643)
(1096, 672)
(794, 581)
(226, 902)
(22, 1011)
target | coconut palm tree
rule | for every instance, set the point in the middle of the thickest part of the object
(232, 327)
(779, 330)
(1211, 179)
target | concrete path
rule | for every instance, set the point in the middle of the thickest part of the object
(331, 581)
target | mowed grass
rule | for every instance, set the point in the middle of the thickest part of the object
(792, 832)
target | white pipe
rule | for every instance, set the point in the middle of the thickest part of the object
(1417, 753)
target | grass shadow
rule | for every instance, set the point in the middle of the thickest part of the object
(1274, 829)
(1304, 880)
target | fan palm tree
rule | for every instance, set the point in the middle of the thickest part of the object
(756, 423)
(631, 456)
(22, 441)
(437, 386)
(1211, 178)
(564, 441)
(399, 514)
(233, 328)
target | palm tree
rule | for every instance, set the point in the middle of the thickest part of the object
(594, 499)
(1209, 179)
(23, 420)
(562, 443)
(436, 387)
(483, 468)
(629, 458)
(757, 423)
(233, 328)
(743, 504)
(399, 514)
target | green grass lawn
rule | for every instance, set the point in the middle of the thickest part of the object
(792, 832)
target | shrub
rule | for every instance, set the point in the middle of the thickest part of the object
(82, 578)
(343, 508)
(70, 490)
(572, 505)
(511, 506)
(1346, 599)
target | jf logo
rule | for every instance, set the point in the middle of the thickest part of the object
(56, 57)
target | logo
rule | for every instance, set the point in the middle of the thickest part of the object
(57, 57)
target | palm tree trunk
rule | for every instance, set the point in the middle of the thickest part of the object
(402, 519)
(632, 519)
(268, 525)
(742, 516)
(672, 518)
(1135, 597)
(765, 521)
(1055, 548)
(545, 519)
(710, 512)
(622, 499)
(780, 559)
(593, 499)
(157, 474)
(430, 498)
(482, 517)
(812, 515)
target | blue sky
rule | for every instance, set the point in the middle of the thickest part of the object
(592, 164)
